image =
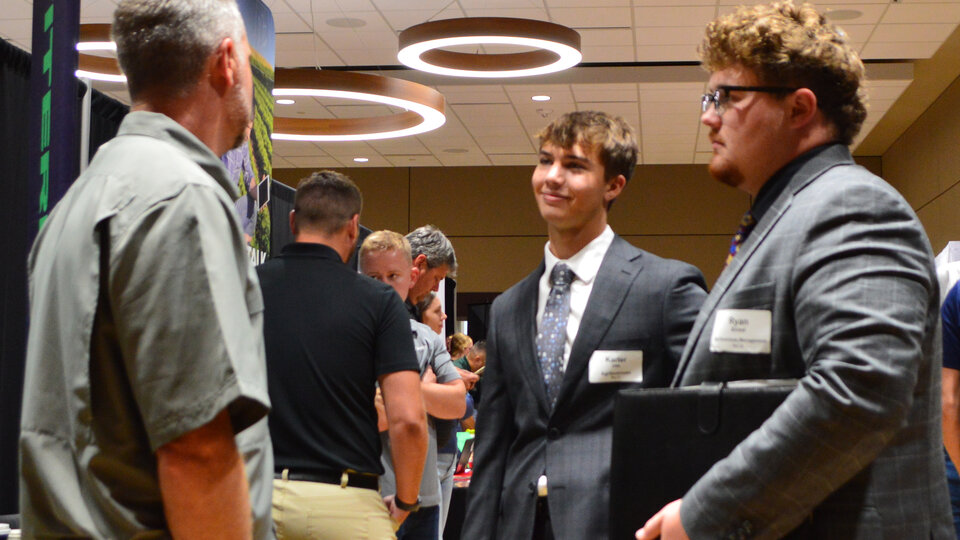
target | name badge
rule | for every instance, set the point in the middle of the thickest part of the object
(745, 331)
(616, 367)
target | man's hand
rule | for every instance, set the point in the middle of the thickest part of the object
(396, 514)
(469, 378)
(665, 524)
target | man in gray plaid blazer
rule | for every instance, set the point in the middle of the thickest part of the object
(832, 282)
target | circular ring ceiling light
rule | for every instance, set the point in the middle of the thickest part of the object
(96, 37)
(558, 47)
(423, 106)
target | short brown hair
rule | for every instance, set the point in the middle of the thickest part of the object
(783, 43)
(326, 201)
(610, 135)
(384, 241)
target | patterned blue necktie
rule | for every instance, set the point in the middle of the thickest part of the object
(553, 330)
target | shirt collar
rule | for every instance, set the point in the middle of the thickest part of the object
(772, 189)
(162, 127)
(310, 249)
(586, 262)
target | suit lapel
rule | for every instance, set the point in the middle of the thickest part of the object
(525, 322)
(617, 273)
(802, 177)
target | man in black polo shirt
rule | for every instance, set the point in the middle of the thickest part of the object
(331, 334)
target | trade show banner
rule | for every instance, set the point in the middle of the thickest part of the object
(54, 109)
(251, 164)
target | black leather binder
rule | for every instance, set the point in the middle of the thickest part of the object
(665, 439)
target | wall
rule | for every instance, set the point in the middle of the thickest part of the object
(924, 164)
(489, 214)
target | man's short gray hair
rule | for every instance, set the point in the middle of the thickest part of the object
(164, 44)
(430, 241)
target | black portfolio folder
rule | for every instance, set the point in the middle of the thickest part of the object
(665, 439)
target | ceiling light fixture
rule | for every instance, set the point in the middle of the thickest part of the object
(285, 102)
(540, 98)
(96, 37)
(423, 106)
(558, 47)
(361, 159)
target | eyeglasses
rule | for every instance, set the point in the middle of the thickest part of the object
(721, 95)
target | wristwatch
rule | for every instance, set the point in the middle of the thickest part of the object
(407, 507)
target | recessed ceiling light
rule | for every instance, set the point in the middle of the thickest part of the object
(361, 159)
(285, 102)
(540, 98)
(843, 14)
(346, 22)
(455, 150)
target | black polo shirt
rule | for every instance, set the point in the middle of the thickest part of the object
(329, 333)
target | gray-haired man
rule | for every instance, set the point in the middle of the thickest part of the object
(434, 257)
(145, 352)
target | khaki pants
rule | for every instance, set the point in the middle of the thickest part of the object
(313, 510)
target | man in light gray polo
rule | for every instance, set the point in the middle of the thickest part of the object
(145, 351)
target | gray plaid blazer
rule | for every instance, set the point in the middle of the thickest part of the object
(846, 269)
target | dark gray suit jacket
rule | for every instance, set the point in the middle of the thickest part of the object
(639, 301)
(846, 269)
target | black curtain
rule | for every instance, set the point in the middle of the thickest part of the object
(106, 114)
(14, 96)
(281, 203)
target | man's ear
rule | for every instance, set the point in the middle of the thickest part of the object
(420, 261)
(614, 187)
(803, 107)
(353, 228)
(414, 274)
(293, 223)
(224, 71)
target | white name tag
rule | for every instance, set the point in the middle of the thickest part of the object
(616, 367)
(741, 331)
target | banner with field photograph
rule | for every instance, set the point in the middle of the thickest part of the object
(251, 164)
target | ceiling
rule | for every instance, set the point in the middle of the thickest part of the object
(639, 62)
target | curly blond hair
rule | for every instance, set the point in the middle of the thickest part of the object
(793, 45)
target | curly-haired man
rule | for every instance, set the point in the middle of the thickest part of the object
(833, 275)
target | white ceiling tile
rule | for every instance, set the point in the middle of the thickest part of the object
(478, 159)
(869, 13)
(669, 35)
(296, 149)
(677, 109)
(899, 33)
(858, 33)
(628, 111)
(433, 6)
(311, 162)
(514, 159)
(923, 13)
(349, 149)
(884, 92)
(667, 53)
(21, 9)
(685, 140)
(402, 19)
(475, 4)
(290, 22)
(622, 53)
(674, 16)
(372, 22)
(473, 94)
(15, 29)
(295, 42)
(413, 161)
(91, 8)
(399, 145)
(369, 57)
(605, 92)
(277, 162)
(892, 51)
(521, 94)
(658, 158)
(343, 40)
(673, 2)
(702, 157)
(352, 6)
(609, 37)
(486, 115)
(586, 17)
(488, 10)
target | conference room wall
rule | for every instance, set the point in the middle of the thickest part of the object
(924, 164)
(489, 214)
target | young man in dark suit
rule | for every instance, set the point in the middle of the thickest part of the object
(830, 281)
(598, 315)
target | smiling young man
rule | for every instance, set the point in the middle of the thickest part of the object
(832, 274)
(544, 433)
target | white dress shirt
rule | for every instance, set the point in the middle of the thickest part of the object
(585, 265)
